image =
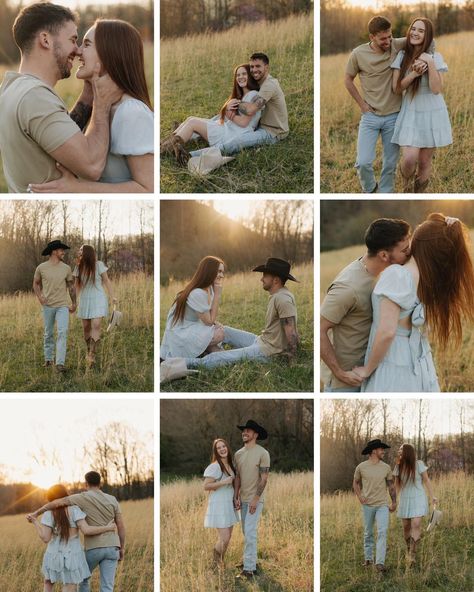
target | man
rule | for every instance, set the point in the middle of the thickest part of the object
(103, 550)
(280, 335)
(252, 463)
(372, 478)
(346, 310)
(379, 104)
(52, 281)
(36, 130)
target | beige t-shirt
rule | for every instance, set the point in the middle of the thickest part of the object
(248, 462)
(275, 115)
(376, 76)
(374, 477)
(273, 339)
(53, 280)
(348, 305)
(100, 508)
(34, 122)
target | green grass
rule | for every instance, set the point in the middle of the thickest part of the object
(196, 79)
(243, 306)
(124, 362)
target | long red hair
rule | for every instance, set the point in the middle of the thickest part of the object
(86, 265)
(406, 465)
(215, 456)
(412, 52)
(237, 92)
(61, 518)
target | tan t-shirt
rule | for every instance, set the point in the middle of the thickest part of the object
(273, 339)
(33, 122)
(248, 462)
(100, 508)
(275, 114)
(348, 305)
(376, 76)
(53, 280)
(374, 477)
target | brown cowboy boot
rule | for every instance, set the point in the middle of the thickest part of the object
(181, 154)
(420, 186)
(413, 546)
(166, 145)
(407, 182)
(88, 348)
(93, 344)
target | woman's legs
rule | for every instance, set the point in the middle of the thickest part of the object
(48, 586)
(415, 537)
(407, 532)
(424, 169)
(95, 338)
(190, 126)
(408, 162)
(69, 588)
(86, 328)
(222, 542)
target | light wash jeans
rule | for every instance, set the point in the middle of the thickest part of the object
(246, 348)
(259, 136)
(249, 529)
(106, 558)
(60, 315)
(346, 389)
(370, 126)
(380, 515)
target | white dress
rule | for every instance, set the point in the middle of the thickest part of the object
(220, 507)
(408, 365)
(190, 337)
(413, 499)
(219, 134)
(131, 134)
(93, 303)
(65, 561)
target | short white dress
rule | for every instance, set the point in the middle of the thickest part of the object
(93, 303)
(408, 365)
(65, 561)
(220, 507)
(131, 134)
(413, 500)
(423, 120)
(190, 337)
(219, 134)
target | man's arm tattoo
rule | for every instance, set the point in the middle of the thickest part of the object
(81, 114)
(392, 491)
(262, 483)
(257, 100)
(72, 292)
(289, 325)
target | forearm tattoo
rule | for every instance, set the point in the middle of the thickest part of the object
(72, 292)
(289, 325)
(392, 491)
(81, 114)
(262, 483)
(257, 100)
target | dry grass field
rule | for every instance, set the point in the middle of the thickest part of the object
(21, 553)
(340, 118)
(285, 539)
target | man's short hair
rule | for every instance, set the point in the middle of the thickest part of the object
(92, 478)
(384, 234)
(378, 24)
(260, 56)
(42, 16)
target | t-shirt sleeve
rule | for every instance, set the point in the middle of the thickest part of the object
(352, 67)
(357, 474)
(102, 267)
(37, 275)
(69, 277)
(439, 62)
(267, 90)
(47, 519)
(339, 300)
(76, 513)
(389, 475)
(132, 130)
(396, 284)
(43, 116)
(77, 499)
(265, 460)
(397, 62)
(198, 300)
(213, 471)
(399, 43)
(285, 306)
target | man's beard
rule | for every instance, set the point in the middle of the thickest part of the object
(61, 62)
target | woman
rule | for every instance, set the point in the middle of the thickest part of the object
(218, 479)
(228, 126)
(91, 279)
(64, 560)
(410, 476)
(423, 122)
(436, 285)
(118, 48)
(191, 326)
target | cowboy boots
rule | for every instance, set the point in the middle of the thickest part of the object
(88, 348)
(217, 559)
(407, 182)
(92, 350)
(420, 186)
(174, 144)
(166, 145)
(412, 554)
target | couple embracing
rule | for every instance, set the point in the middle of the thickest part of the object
(380, 308)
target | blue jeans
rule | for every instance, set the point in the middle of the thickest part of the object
(59, 315)
(380, 515)
(246, 348)
(106, 558)
(249, 529)
(259, 136)
(346, 389)
(370, 126)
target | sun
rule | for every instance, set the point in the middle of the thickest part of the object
(236, 210)
(43, 477)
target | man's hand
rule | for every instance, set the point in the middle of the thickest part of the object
(361, 372)
(42, 300)
(106, 92)
(349, 377)
(253, 505)
(366, 108)
(72, 308)
(392, 507)
(237, 504)
(363, 500)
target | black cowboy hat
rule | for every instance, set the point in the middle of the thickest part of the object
(52, 246)
(253, 425)
(278, 267)
(373, 445)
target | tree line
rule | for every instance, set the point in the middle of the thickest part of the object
(188, 428)
(347, 425)
(27, 227)
(344, 26)
(188, 17)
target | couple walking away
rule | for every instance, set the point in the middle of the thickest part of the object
(255, 113)
(235, 486)
(381, 307)
(372, 478)
(194, 338)
(401, 82)
(44, 148)
(57, 287)
(97, 515)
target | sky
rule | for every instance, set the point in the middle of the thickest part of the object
(60, 428)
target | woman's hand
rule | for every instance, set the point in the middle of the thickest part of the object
(426, 57)
(361, 371)
(217, 285)
(434, 500)
(31, 519)
(228, 480)
(67, 183)
(111, 526)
